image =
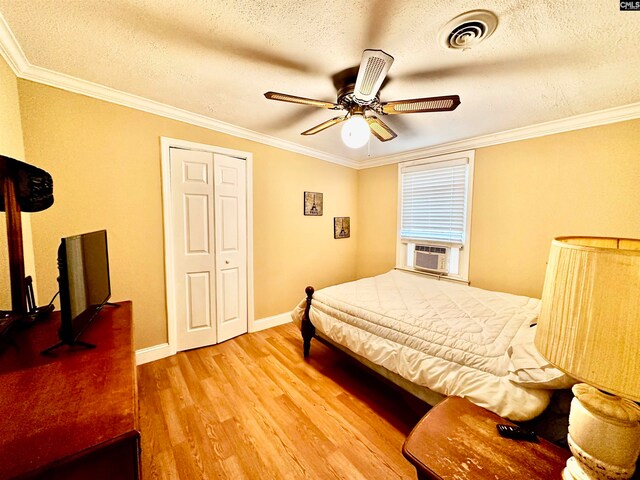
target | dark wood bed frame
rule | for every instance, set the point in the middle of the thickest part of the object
(552, 424)
(308, 331)
(306, 327)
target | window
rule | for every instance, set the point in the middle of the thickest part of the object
(435, 211)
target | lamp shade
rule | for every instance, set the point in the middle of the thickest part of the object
(589, 324)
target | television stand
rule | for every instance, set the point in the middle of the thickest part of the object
(78, 343)
(7, 320)
(75, 415)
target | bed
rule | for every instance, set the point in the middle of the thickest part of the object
(438, 338)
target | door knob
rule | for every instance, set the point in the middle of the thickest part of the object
(227, 262)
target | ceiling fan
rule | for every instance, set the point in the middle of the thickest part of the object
(359, 101)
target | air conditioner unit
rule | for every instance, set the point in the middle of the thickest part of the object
(431, 258)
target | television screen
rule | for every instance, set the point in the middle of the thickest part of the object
(84, 281)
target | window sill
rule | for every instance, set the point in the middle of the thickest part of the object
(448, 278)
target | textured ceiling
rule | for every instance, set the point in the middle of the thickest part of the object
(547, 60)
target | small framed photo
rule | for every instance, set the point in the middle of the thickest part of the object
(313, 204)
(341, 227)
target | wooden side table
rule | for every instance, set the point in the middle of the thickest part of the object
(458, 440)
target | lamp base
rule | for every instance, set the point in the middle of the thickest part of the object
(591, 468)
(604, 436)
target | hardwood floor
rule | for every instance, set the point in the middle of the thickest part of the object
(252, 408)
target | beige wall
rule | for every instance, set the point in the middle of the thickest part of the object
(585, 182)
(11, 145)
(106, 168)
(377, 217)
(105, 162)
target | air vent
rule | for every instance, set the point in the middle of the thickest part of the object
(468, 30)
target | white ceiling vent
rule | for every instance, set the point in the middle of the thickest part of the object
(468, 30)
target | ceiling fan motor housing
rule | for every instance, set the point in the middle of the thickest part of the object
(349, 101)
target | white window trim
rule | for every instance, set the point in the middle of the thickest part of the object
(465, 254)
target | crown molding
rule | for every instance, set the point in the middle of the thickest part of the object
(577, 122)
(15, 57)
(10, 49)
(22, 68)
(101, 92)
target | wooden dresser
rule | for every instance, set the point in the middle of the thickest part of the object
(74, 415)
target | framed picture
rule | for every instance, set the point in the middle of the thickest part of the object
(313, 204)
(341, 227)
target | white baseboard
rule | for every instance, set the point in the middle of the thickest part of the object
(269, 322)
(149, 354)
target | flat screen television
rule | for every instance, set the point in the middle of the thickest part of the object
(85, 287)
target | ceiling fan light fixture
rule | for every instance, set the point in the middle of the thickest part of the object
(360, 101)
(355, 131)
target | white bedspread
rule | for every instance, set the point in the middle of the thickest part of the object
(450, 338)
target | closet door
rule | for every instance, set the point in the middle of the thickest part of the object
(192, 192)
(209, 225)
(230, 245)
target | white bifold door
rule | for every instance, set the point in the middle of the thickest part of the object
(209, 224)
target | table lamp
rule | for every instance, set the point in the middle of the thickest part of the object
(589, 327)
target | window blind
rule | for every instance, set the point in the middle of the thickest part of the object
(434, 202)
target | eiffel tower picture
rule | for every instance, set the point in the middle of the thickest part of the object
(341, 227)
(313, 204)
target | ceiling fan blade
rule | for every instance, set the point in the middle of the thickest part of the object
(380, 129)
(283, 97)
(373, 69)
(417, 105)
(323, 126)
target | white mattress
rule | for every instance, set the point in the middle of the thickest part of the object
(450, 338)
